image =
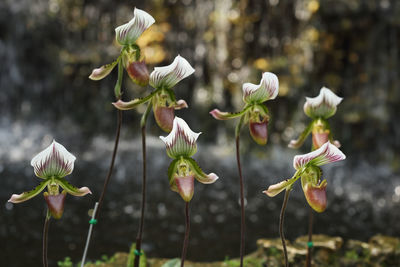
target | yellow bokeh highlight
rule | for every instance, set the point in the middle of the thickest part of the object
(313, 6)
(261, 64)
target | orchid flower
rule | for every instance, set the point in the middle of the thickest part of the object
(255, 112)
(129, 58)
(163, 79)
(319, 109)
(308, 169)
(181, 146)
(52, 165)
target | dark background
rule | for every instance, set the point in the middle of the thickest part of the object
(48, 49)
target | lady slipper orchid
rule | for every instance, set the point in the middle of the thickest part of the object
(319, 109)
(181, 146)
(128, 33)
(255, 112)
(129, 58)
(52, 165)
(308, 169)
(163, 97)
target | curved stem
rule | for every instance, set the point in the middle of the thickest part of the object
(143, 206)
(310, 230)
(281, 220)
(45, 237)
(111, 168)
(187, 230)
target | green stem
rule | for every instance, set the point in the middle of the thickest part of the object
(187, 231)
(117, 88)
(45, 237)
(143, 206)
(281, 221)
(242, 210)
(310, 230)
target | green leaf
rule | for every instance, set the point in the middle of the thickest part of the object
(172, 263)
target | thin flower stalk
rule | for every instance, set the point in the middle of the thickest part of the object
(308, 170)
(163, 103)
(319, 109)
(131, 60)
(52, 165)
(180, 147)
(256, 115)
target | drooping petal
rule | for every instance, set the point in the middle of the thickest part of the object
(315, 195)
(54, 161)
(185, 187)
(300, 141)
(103, 71)
(70, 189)
(181, 141)
(267, 89)
(55, 203)
(128, 33)
(322, 106)
(180, 104)
(137, 71)
(122, 105)
(327, 153)
(15, 198)
(168, 76)
(199, 174)
(221, 115)
(275, 189)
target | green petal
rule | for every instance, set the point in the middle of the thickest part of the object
(302, 138)
(103, 71)
(79, 192)
(199, 174)
(133, 103)
(220, 115)
(275, 189)
(30, 194)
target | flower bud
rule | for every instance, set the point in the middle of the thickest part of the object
(55, 203)
(137, 71)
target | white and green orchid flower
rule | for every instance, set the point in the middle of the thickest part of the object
(307, 168)
(181, 146)
(254, 112)
(322, 106)
(130, 56)
(52, 165)
(319, 109)
(163, 79)
(128, 33)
